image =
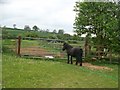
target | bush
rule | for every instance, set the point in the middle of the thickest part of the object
(72, 41)
(88, 58)
(6, 35)
(7, 50)
(31, 34)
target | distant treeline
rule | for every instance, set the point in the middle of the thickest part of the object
(8, 33)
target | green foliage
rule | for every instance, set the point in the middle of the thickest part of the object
(101, 19)
(6, 34)
(35, 28)
(88, 58)
(76, 37)
(8, 46)
(67, 36)
(31, 34)
(27, 27)
(54, 31)
(60, 31)
(72, 41)
(64, 36)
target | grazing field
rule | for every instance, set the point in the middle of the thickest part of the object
(19, 72)
(30, 73)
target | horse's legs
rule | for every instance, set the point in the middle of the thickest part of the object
(80, 63)
(77, 60)
(71, 60)
(80, 59)
(68, 59)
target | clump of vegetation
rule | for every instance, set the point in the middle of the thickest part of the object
(31, 34)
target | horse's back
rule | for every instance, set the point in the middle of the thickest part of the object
(76, 51)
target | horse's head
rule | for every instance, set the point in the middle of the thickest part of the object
(64, 46)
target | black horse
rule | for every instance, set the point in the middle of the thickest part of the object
(76, 52)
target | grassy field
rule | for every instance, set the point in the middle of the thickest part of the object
(24, 33)
(45, 73)
(30, 73)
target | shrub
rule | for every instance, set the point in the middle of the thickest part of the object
(31, 34)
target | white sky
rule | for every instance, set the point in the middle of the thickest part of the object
(46, 14)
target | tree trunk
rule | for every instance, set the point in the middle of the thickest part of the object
(86, 45)
(110, 56)
(100, 51)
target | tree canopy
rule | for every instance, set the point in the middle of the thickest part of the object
(35, 28)
(100, 19)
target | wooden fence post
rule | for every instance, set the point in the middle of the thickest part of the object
(19, 44)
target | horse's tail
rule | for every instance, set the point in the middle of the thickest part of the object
(80, 57)
(81, 52)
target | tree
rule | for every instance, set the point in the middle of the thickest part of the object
(54, 31)
(14, 26)
(47, 30)
(102, 19)
(67, 37)
(60, 31)
(35, 28)
(26, 27)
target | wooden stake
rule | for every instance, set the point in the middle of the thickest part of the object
(19, 44)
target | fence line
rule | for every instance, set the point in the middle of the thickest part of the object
(52, 45)
(38, 49)
(49, 40)
(19, 46)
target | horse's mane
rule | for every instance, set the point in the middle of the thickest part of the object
(69, 46)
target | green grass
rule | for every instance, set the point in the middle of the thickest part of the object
(29, 43)
(53, 47)
(31, 73)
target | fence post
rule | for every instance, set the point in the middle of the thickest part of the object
(19, 44)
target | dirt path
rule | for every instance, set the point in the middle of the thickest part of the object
(89, 65)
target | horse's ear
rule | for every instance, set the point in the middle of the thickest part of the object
(64, 43)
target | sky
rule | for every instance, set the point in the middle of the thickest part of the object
(46, 14)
